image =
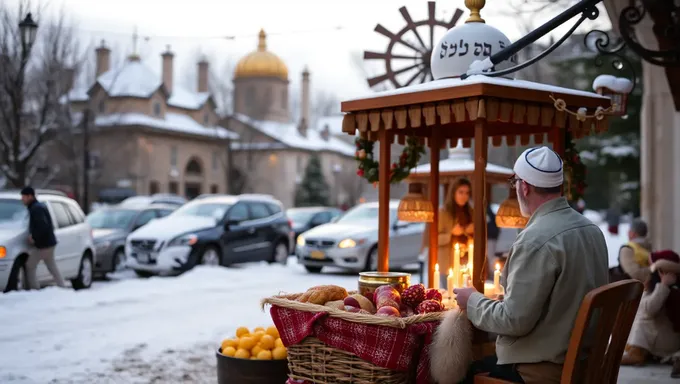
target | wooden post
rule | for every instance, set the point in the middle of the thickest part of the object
(559, 144)
(385, 139)
(479, 197)
(435, 145)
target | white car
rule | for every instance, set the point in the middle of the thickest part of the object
(74, 253)
(351, 242)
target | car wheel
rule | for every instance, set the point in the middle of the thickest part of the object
(371, 260)
(312, 269)
(85, 273)
(119, 261)
(280, 253)
(143, 274)
(17, 276)
(210, 256)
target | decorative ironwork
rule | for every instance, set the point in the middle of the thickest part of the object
(599, 42)
(665, 15)
(416, 64)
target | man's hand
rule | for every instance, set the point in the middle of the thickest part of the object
(668, 278)
(462, 296)
(30, 239)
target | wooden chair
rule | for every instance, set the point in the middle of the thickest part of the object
(615, 305)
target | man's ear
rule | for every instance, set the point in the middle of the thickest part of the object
(525, 189)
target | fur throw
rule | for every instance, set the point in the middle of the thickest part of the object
(451, 348)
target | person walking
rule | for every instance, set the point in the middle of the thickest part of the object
(41, 236)
(555, 261)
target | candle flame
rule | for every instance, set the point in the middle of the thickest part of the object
(450, 271)
(457, 246)
(436, 267)
(498, 266)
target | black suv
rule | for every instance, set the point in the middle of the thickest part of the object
(217, 230)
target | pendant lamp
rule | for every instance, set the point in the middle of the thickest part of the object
(509, 214)
(415, 207)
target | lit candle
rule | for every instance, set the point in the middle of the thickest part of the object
(456, 263)
(497, 279)
(470, 258)
(437, 277)
(466, 279)
(449, 283)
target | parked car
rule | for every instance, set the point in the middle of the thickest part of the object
(158, 198)
(220, 230)
(307, 218)
(74, 252)
(351, 242)
(112, 225)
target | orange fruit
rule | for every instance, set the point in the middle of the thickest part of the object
(253, 357)
(267, 342)
(242, 354)
(242, 331)
(273, 332)
(264, 355)
(246, 343)
(229, 351)
(258, 329)
(279, 353)
(256, 350)
(278, 343)
(257, 335)
(229, 343)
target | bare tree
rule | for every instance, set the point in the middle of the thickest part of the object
(30, 88)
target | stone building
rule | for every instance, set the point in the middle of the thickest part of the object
(149, 135)
(273, 151)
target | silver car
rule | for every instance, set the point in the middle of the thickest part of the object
(351, 242)
(74, 253)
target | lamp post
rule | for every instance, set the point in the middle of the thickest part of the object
(28, 29)
(337, 168)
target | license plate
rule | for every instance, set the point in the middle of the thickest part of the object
(317, 255)
(143, 258)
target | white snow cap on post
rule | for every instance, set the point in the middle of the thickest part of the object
(616, 84)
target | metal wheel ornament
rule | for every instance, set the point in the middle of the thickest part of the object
(407, 58)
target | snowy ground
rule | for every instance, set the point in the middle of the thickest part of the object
(157, 330)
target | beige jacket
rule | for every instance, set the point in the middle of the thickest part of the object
(652, 329)
(445, 230)
(628, 263)
(555, 261)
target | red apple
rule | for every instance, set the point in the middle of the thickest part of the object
(388, 311)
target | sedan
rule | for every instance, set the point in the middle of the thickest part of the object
(351, 242)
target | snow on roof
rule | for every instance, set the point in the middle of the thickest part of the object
(480, 79)
(181, 98)
(173, 122)
(288, 134)
(133, 79)
(460, 160)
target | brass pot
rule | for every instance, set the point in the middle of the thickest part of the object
(369, 281)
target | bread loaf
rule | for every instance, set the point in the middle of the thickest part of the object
(322, 294)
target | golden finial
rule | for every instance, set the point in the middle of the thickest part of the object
(475, 6)
(262, 45)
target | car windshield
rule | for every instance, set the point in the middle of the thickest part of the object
(136, 200)
(363, 213)
(12, 212)
(299, 216)
(214, 210)
(111, 218)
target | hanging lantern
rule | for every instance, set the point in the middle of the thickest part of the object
(616, 89)
(509, 214)
(414, 207)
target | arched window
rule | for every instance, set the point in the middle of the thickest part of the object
(154, 187)
(157, 109)
(193, 167)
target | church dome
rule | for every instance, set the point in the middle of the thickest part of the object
(261, 63)
(464, 44)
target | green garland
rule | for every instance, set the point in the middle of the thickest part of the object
(367, 165)
(575, 170)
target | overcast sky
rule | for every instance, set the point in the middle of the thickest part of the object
(327, 36)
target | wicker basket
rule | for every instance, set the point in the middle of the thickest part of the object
(314, 361)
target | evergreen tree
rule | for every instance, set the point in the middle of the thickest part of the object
(313, 190)
(613, 157)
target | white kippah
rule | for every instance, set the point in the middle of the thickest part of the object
(540, 167)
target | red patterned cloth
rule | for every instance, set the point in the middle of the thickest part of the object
(386, 347)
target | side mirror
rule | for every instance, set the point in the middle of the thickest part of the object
(230, 223)
(397, 225)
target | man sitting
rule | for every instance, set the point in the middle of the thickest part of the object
(634, 255)
(555, 261)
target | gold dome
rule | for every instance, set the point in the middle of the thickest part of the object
(261, 63)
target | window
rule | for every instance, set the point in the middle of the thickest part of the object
(321, 218)
(250, 96)
(157, 109)
(101, 107)
(163, 212)
(61, 216)
(95, 160)
(258, 211)
(299, 164)
(173, 187)
(206, 118)
(154, 187)
(215, 161)
(274, 208)
(202, 209)
(214, 189)
(173, 156)
(144, 218)
(284, 98)
(77, 215)
(273, 159)
(238, 212)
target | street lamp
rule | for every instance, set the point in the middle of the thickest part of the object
(28, 29)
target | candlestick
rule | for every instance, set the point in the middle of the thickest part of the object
(456, 263)
(449, 283)
(497, 279)
(437, 277)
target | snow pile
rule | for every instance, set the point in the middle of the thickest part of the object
(59, 333)
(616, 84)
